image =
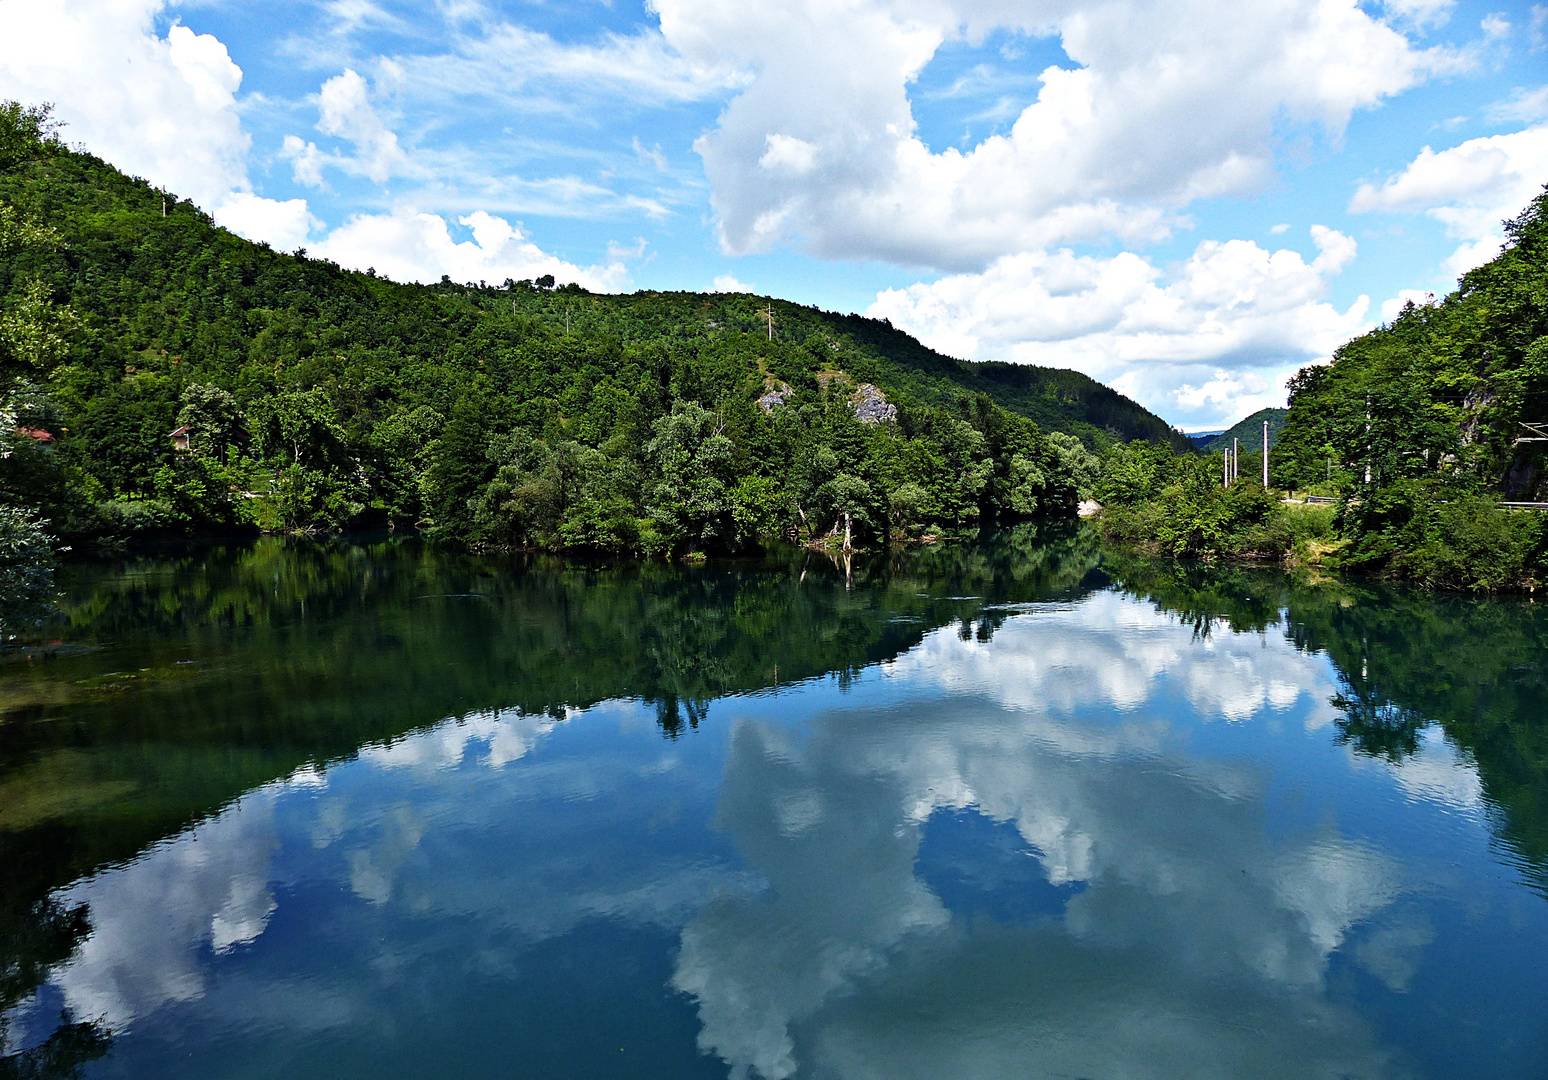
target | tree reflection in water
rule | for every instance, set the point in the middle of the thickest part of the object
(185, 682)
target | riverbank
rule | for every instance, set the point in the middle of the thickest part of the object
(1413, 533)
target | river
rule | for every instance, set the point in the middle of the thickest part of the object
(1011, 806)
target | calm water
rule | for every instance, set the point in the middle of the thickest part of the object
(1009, 808)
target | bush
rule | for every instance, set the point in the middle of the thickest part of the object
(1471, 543)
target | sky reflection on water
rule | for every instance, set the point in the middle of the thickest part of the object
(1087, 841)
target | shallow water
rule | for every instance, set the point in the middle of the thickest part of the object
(1005, 808)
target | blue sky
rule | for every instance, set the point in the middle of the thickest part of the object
(1186, 200)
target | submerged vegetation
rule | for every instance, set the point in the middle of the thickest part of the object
(1420, 434)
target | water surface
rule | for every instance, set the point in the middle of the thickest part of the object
(1002, 808)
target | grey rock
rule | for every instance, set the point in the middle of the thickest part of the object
(871, 405)
(775, 397)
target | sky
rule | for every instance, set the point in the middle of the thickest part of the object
(1188, 200)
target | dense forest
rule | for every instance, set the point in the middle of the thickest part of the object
(1420, 435)
(164, 377)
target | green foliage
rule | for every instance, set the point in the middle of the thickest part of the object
(318, 398)
(1438, 394)
(1442, 535)
(26, 132)
(1179, 506)
(1414, 426)
(691, 461)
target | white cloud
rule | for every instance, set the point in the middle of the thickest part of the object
(410, 246)
(1495, 27)
(823, 147)
(1524, 106)
(306, 161)
(1421, 13)
(651, 154)
(1470, 188)
(285, 224)
(1212, 339)
(524, 68)
(796, 157)
(159, 107)
(728, 283)
(346, 111)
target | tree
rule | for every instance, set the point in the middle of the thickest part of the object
(691, 463)
(26, 132)
(848, 500)
(214, 420)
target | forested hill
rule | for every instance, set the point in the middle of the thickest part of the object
(1056, 398)
(1249, 432)
(167, 376)
(1430, 433)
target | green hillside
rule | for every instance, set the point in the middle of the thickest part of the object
(1429, 433)
(509, 414)
(1250, 431)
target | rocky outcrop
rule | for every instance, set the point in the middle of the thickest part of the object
(871, 405)
(774, 397)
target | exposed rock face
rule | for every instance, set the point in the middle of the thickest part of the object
(775, 397)
(871, 405)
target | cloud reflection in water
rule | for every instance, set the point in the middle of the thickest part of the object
(1197, 946)
(1194, 937)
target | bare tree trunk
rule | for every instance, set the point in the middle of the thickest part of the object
(847, 545)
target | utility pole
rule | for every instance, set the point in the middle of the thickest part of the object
(770, 314)
(1367, 439)
(1236, 460)
(1265, 455)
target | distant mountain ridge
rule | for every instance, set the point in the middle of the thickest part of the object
(1250, 431)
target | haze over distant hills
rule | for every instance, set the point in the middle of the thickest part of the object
(1248, 430)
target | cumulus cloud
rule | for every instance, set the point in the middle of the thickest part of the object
(1470, 188)
(285, 224)
(166, 108)
(159, 107)
(1211, 338)
(347, 112)
(1175, 888)
(407, 245)
(1157, 112)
